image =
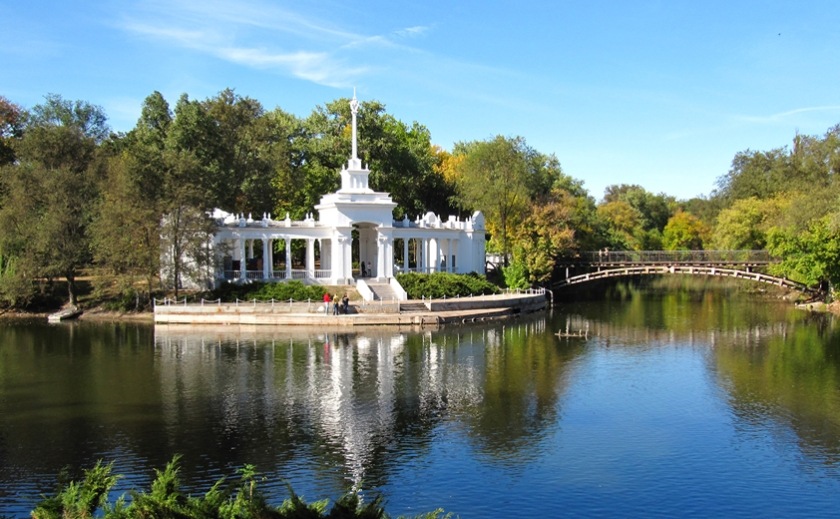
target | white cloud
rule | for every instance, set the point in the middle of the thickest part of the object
(773, 118)
(412, 32)
(259, 36)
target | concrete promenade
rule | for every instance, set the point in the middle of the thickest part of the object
(414, 313)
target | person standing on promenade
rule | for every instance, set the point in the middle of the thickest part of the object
(327, 300)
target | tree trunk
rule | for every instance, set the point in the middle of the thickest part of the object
(71, 288)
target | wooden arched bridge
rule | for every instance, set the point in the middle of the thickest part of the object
(611, 264)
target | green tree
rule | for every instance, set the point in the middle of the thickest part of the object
(744, 225)
(11, 129)
(132, 197)
(126, 230)
(810, 256)
(238, 171)
(624, 224)
(297, 177)
(545, 235)
(634, 217)
(756, 174)
(493, 178)
(684, 231)
(654, 210)
(50, 191)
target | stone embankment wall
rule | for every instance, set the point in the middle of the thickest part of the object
(313, 314)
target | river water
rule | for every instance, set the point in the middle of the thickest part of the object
(701, 404)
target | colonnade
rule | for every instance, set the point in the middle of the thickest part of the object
(333, 256)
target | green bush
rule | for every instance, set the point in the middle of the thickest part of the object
(516, 275)
(260, 291)
(241, 500)
(444, 284)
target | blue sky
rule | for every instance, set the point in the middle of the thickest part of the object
(657, 93)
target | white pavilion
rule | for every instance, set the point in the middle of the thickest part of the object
(381, 247)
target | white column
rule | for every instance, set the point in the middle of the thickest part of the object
(342, 260)
(288, 242)
(434, 255)
(326, 254)
(454, 255)
(336, 258)
(418, 253)
(271, 258)
(310, 258)
(243, 261)
(340, 257)
(405, 255)
(381, 261)
(266, 258)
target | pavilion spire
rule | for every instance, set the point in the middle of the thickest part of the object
(354, 109)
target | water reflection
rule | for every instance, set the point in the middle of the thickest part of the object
(351, 401)
(779, 367)
(679, 394)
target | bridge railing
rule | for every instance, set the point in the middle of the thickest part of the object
(661, 257)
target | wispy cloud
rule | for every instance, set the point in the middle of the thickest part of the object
(412, 32)
(260, 35)
(252, 35)
(781, 116)
(263, 36)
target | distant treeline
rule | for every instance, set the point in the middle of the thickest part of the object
(76, 197)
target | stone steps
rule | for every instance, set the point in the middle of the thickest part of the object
(413, 307)
(382, 292)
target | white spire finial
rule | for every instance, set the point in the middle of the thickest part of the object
(354, 109)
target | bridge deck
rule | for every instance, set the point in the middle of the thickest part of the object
(607, 258)
(610, 264)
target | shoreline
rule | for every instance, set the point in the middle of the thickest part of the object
(413, 313)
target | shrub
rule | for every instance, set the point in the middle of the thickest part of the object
(444, 284)
(260, 291)
(89, 498)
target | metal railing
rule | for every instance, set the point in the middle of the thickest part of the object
(273, 305)
(315, 306)
(661, 257)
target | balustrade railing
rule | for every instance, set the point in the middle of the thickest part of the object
(659, 257)
(275, 275)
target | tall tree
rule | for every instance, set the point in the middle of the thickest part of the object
(545, 235)
(240, 174)
(635, 217)
(125, 231)
(756, 174)
(811, 256)
(684, 231)
(493, 178)
(57, 164)
(11, 129)
(132, 196)
(744, 225)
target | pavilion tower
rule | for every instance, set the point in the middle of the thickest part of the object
(354, 177)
